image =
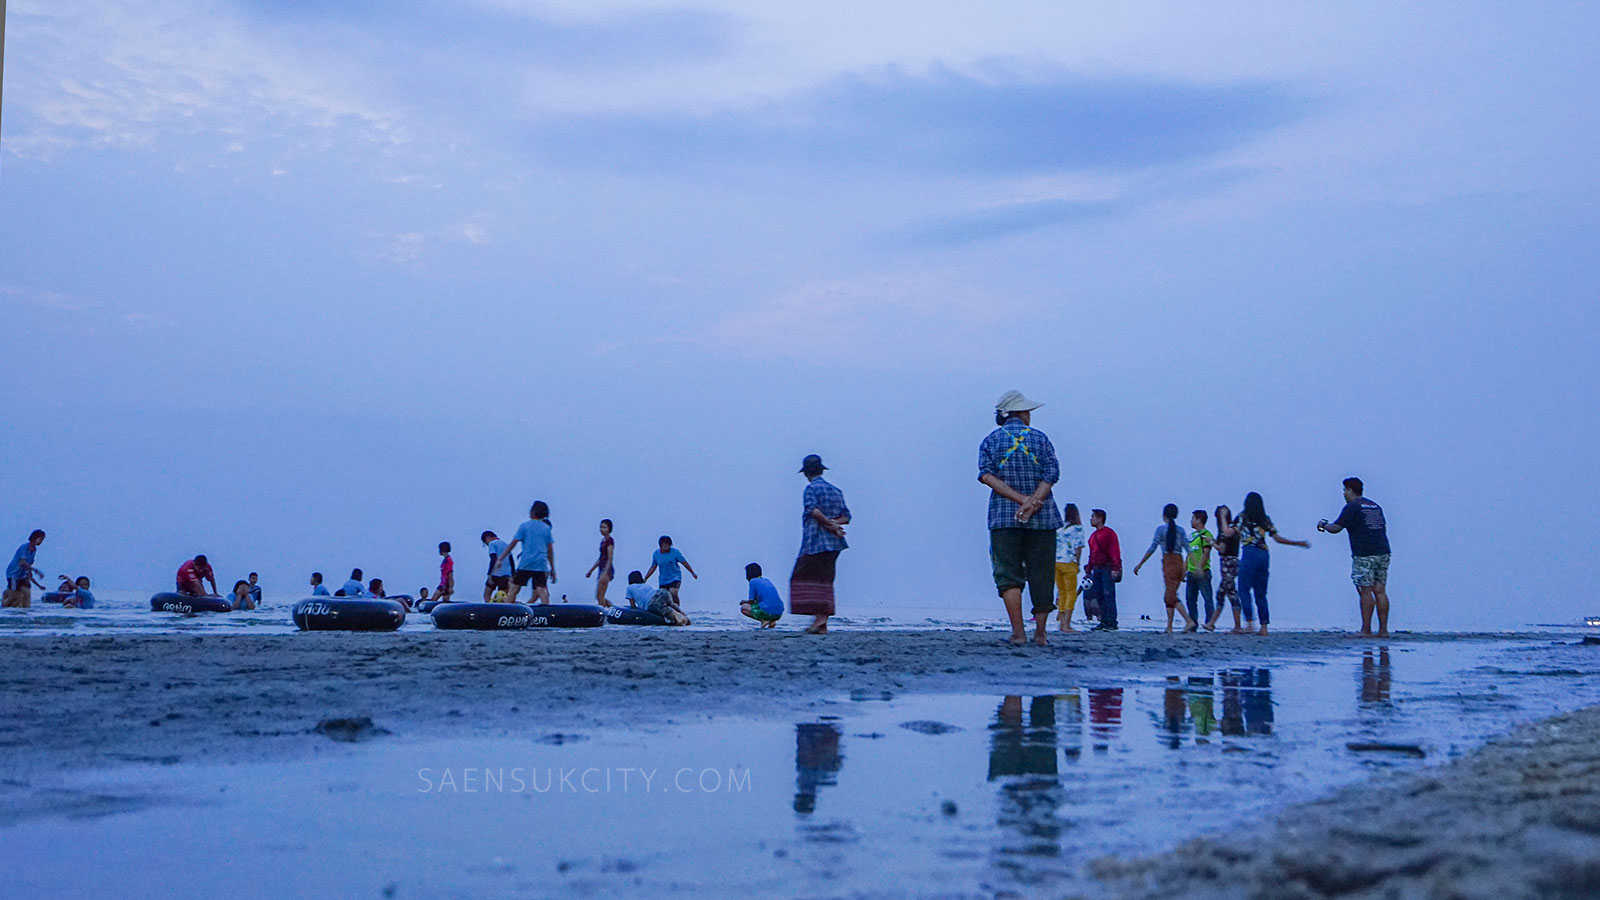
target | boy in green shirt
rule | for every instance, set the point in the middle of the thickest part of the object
(1199, 568)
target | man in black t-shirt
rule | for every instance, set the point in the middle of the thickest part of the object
(1369, 551)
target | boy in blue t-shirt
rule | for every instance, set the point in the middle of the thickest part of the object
(668, 559)
(764, 605)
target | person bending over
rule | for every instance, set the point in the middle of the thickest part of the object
(191, 576)
(656, 600)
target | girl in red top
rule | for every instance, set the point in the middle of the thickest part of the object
(604, 565)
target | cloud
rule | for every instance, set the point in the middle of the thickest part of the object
(46, 299)
(1003, 221)
(410, 246)
(633, 40)
(944, 122)
(154, 74)
(921, 318)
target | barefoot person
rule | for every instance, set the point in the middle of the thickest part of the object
(605, 564)
(1228, 564)
(1018, 464)
(763, 603)
(1197, 581)
(1369, 553)
(1173, 542)
(193, 574)
(1255, 526)
(822, 520)
(498, 578)
(668, 559)
(537, 565)
(1070, 542)
(20, 579)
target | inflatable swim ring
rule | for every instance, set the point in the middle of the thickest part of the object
(565, 615)
(481, 616)
(53, 597)
(623, 615)
(185, 605)
(348, 614)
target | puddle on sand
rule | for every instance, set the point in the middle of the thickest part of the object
(920, 795)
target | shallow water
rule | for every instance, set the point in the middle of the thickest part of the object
(921, 795)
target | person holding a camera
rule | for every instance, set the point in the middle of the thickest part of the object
(1369, 552)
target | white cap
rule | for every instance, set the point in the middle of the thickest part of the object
(1015, 402)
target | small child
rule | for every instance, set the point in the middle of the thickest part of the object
(656, 600)
(1070, 542)
(241, 596)
(447, 574)
(1199, 566)
(318, 589)
(422, 594)
(668, 559)
(498, 580)
(764, 605)
(79, 597)
(255, 591)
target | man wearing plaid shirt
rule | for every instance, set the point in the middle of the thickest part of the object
(1019, 465)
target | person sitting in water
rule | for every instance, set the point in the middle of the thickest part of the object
(255, 591)
(375, 588)
(318, 589)
(241, 597)
(353, 587)
(764, 605)
(422, 595)
(77, 594)
(193, 574)
(656, 600)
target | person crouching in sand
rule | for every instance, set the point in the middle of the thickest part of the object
(656, 600)
(764, 605)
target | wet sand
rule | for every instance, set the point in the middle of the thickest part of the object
(1519, 818)
(76, 701)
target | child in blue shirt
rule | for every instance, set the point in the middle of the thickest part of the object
(79, 597)
(668, 559)
(764, 605)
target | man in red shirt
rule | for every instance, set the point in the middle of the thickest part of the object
(1105, 570)
(191, 575)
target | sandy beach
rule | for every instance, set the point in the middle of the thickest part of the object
(84, 717)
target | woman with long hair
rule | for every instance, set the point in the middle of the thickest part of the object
(1255, 526)
(1228, 561)
(1171, 540)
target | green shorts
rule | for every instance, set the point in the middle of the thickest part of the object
(761, 615)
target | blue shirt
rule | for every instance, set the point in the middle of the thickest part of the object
(24, 555)
(1021, 457)
(536, 537)
(1158, 543)
(821, 495)
(764, 596)
(497, 547)
(320, 590)
(639, 595)
(354, 588)
(85, 599)
(668, 562)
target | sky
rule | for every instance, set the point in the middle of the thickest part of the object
(314, 286)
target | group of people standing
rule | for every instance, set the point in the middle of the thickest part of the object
(1033, 544)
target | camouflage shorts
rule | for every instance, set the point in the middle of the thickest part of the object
(1367, 571)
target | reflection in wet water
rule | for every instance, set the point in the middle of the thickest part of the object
(1376, 677)
(817, 761)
